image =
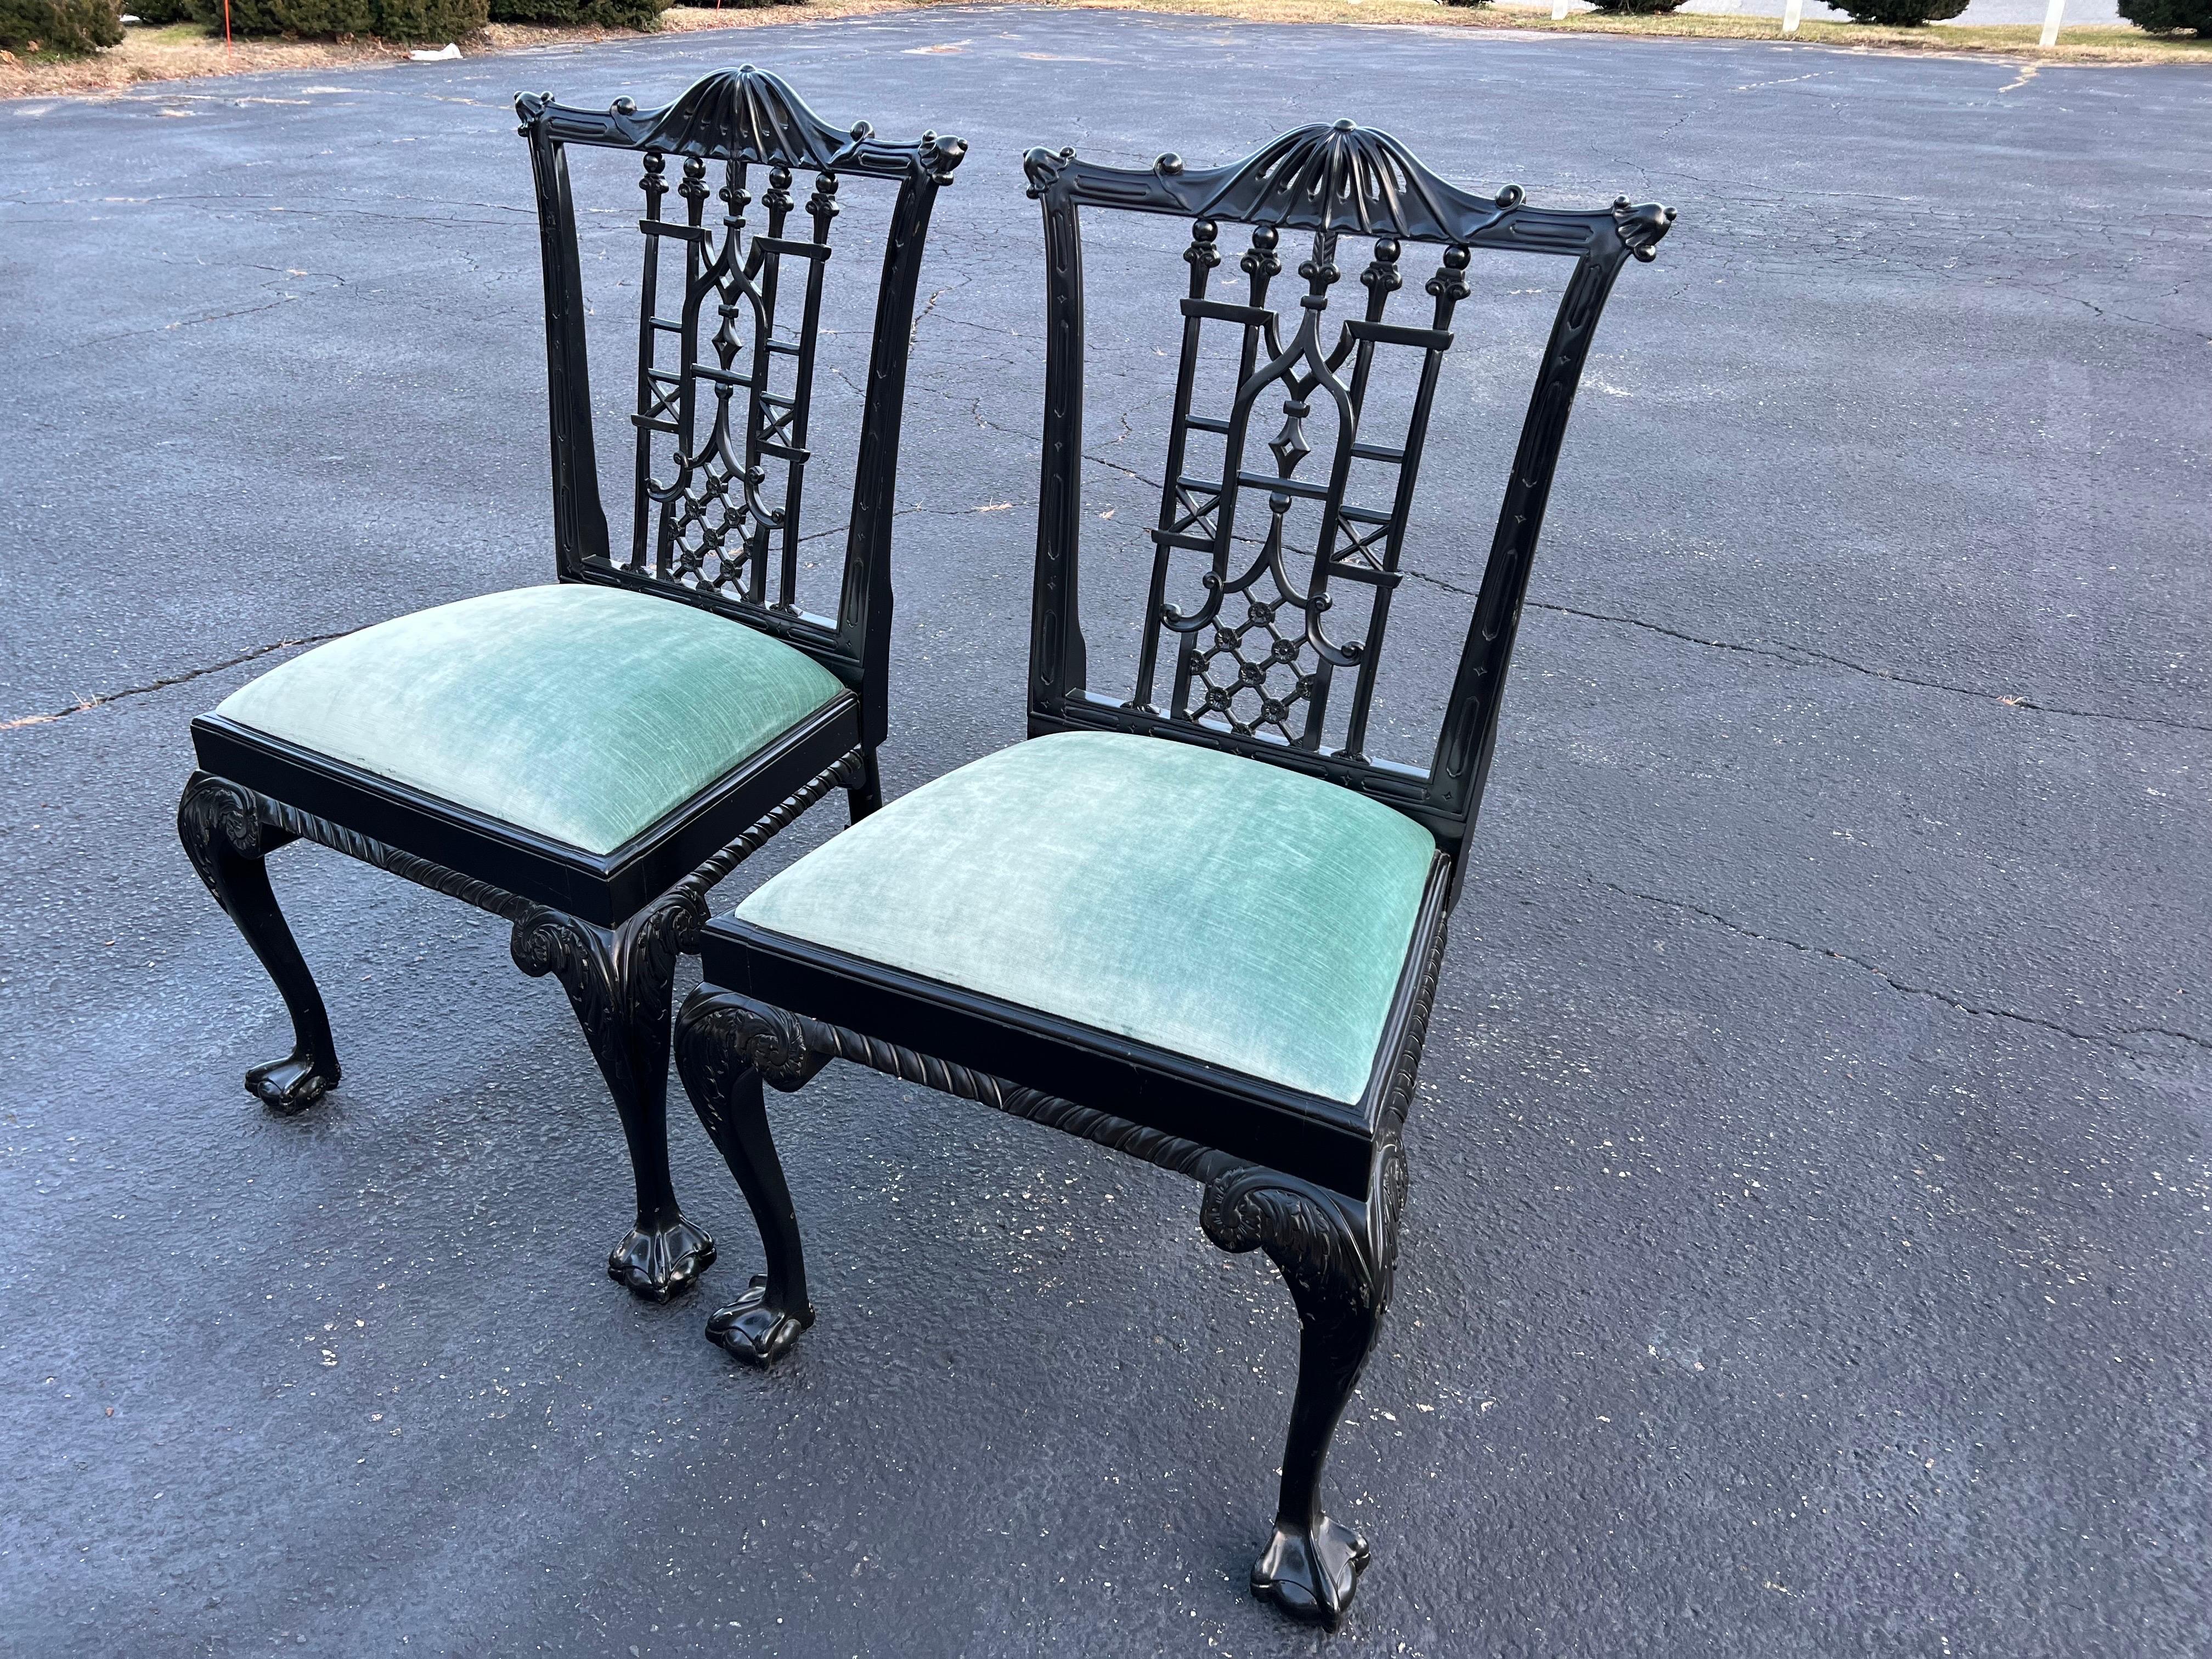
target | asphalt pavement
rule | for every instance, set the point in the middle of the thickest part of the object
(1807, 1242)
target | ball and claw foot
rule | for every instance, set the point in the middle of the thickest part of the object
(288, 1086)
(1311, 1576)
(753, 1331)
(657, 1263)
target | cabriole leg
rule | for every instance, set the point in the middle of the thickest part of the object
(711, 1041)
(620, 984)
(1336, 1254)
(226, 842)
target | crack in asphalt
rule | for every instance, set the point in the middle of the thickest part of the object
(1800, 656)
(929, 307)
(171, 328)
(102, 699)
(2110, 1040)
(105, 697)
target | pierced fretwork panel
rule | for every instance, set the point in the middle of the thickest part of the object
(1294, 522)
(725, 376)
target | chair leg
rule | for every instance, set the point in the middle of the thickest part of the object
(226, 842)
(620, 983)
(713, 1034)
(865, 796)
(1337, 1254)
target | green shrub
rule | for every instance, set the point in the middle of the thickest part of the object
(594, 14)
(1641, 8)
(434, 21)
(59, 26)
(1466, 3)
(1899, 14)
(157, 12)
(323, 17)
(2169, 16)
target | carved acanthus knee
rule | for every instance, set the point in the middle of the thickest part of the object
(217, 816)
(720, 1034)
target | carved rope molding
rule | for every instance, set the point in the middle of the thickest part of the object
(788, 1049)
(844, 772)
(1246, 1205)
(241, 814)
(423, 872)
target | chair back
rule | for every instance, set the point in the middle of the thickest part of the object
(1249, 658)
(729, 318)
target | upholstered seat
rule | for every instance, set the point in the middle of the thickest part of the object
(580, 713)
(1214, 906)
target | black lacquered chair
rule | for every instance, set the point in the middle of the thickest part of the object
(1193, 926)
(587, 759)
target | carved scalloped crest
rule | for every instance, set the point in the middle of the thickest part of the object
(745, 113)
(1343, 177)
(752, 111)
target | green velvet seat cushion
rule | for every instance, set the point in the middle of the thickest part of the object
(1221, 908)
(580, 713)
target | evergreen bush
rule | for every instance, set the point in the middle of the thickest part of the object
(59, 26)
(432, 20)
(594, 14)
(1899, 14)
(2170, 17)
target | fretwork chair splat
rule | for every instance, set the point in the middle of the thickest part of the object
(587, 759)
(1180, 919)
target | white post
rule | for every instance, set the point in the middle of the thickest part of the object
(2052, 15)
(1793, 13)
(1559, 9)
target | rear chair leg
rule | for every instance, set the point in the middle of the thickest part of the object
(1337, 1254)
(716, 1038)
(866, 795)
(226, 842)
(620, 983)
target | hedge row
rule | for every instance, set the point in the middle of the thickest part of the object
(594, 14)
(58, 25)
(392, 20)
(79, 26)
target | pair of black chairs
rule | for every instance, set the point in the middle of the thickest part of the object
(1199, 925)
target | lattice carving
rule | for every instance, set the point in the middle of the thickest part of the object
(724, 386)
(1257, 655)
